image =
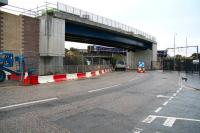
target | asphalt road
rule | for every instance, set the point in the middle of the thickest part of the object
(118, 102)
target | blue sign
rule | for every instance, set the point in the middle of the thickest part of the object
(141, 64)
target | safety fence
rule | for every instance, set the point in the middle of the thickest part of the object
(49, 70)
(184, 65)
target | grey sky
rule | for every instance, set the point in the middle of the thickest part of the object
(160, 18)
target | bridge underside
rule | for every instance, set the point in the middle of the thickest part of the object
(87, 34)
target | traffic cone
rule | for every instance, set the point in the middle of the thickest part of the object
(26, 79)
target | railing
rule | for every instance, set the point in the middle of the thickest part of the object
(102, 20)
(49, 7)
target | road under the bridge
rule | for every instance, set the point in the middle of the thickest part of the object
(120, 102)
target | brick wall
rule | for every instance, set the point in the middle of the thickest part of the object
(30, 41)
(1, 30)
(11, 33)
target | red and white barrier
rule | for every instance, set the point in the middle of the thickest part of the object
(63, 77)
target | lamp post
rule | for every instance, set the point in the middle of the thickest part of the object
(174, 50)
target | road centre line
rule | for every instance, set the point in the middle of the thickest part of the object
(158, 109)
(103, 88)
(28, 103)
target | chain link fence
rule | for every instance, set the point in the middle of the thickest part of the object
(187, 65)
(50, 70)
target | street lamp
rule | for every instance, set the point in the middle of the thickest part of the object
(174, 49)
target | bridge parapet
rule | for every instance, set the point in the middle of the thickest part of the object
(102, 20)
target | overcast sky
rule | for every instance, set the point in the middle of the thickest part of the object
(160, 18)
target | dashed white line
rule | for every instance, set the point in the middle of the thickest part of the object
(165, 103)
(28, 103)
(169, 121)
(177, 91)
(103, 88)
(174, 94)
(158, 109)
(171, 98)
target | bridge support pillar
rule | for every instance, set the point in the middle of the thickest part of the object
(130, 59)
(147, 56)
(52, 45)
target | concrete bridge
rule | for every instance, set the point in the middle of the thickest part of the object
(59, 23)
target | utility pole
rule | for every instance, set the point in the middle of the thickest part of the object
(174, 50)
(186, 46)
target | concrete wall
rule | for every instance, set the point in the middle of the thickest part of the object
(51, 64)
(129, 59)
(52, 44)
(52, 36)
(144, 55)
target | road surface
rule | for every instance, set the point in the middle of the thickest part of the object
(118, 102)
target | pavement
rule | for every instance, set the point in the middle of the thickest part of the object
(118, 102)
(193, 81)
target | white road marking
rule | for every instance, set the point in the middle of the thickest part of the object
(180, 89)
(137, 130)
(158, 109)
(177, 91)
(132, 79)
(165, 103)
(28, 103)
(103, 88)
(169, 121)
(162, 96)
(171, 98)
(174, 94)
(149, 119)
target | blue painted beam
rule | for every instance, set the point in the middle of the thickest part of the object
(83, 31)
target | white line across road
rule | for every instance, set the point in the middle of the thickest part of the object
(169, 120)
(103, 88)
(28, 103)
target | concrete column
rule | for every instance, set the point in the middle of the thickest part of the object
(147, 56)
(130, 59)
(52, 44)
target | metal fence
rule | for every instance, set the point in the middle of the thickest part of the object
(156, 65)
(187, 65)
(50, 70)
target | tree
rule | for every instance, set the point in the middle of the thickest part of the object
(73, 57)
(117, 57)
(195, 56)
(178, 56)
